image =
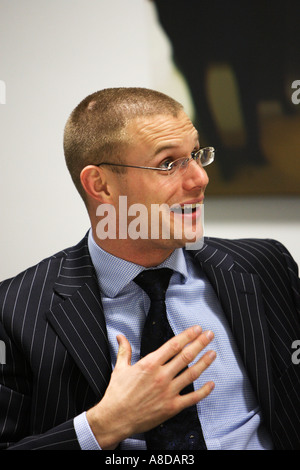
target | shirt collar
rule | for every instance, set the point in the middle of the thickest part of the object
(108, 268)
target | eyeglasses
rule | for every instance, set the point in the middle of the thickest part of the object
(203, 157)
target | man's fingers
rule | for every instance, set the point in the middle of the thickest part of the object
(193, 372)
(176, 344)
(189, 353)
(194, 397)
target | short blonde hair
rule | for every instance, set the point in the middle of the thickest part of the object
(95, 130)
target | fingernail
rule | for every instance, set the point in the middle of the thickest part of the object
(197, 329)
(209, 334)
(211, 385)
(212, 354)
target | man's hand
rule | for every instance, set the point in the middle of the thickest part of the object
(142, 396)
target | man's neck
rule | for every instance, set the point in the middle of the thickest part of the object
(137, 251)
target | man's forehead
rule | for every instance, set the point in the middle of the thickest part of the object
(161, 128)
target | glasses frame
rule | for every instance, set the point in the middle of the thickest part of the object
(185, 161)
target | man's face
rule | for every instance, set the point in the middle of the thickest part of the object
(156, 141)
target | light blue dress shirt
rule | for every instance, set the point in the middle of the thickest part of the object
(230, 416)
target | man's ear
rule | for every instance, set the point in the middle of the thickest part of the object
(94, 182)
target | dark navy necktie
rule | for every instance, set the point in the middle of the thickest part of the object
(183, 431)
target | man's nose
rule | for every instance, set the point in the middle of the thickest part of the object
(195, 176)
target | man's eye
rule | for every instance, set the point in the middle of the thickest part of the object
(166, 163)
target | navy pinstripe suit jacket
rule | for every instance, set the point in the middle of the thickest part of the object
(57, 354)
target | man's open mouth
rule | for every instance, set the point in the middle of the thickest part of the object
(185, 208)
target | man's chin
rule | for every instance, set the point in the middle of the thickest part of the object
(195, 242)
(190, 228)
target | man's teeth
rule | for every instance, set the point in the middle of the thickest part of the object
(186, 208)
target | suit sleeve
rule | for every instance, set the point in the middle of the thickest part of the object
(62, 437)
(15, 408)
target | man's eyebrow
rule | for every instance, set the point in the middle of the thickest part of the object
(170, 146)
(163, 148)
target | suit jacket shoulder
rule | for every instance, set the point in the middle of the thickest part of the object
(258, 286)
(39, 373)
(267, 258)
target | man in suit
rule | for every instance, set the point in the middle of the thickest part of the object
(72, 325)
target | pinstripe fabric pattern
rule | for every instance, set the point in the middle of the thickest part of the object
(57, 355)
(260, 295)
(45, 377)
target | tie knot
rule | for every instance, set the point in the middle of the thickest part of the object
(154, 282)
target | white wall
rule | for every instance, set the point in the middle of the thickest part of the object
(52, 54)
(262, 217)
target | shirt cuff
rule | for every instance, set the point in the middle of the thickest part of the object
(85, 436)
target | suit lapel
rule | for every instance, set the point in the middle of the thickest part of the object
(78, 318)
(240, 297)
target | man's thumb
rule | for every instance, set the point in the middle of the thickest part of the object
(124, 352)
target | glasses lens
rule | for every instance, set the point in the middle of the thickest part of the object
(179, 166)
(203, 157)
(207, 156)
